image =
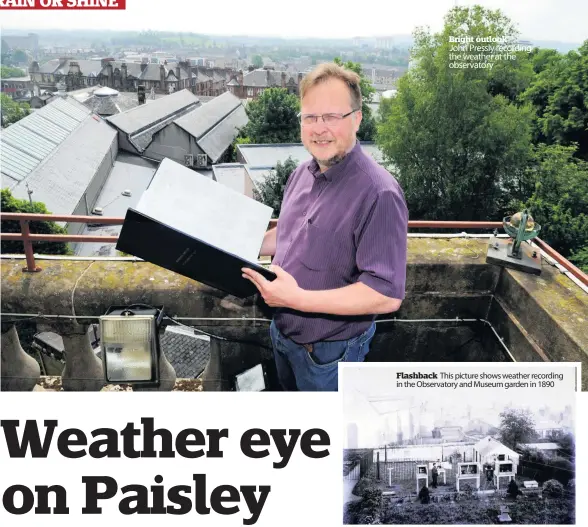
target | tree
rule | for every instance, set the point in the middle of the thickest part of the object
(560, 96)
(20, 57)
(367, 129)
(271, 189)
(457, 149)
(257, 61)
(273, 118)
(558, 198)
(232, 151)
(562, 469)
(10, 111)
(566, 443)
(580, 258)
(553, 489)
(12, 204)
(516, 426)
(7, 72)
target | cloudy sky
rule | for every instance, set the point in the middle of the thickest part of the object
(563, 20)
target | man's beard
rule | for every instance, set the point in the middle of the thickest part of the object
(332, 161)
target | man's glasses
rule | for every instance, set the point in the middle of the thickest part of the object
(327, 118)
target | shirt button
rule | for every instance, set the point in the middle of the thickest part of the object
(304, 213)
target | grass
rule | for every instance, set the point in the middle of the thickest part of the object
(540, 511)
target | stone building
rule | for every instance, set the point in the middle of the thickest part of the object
(252, 84)
(122, 76)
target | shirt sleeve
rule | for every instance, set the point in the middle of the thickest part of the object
(382, 244)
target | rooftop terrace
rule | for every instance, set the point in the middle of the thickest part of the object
(457, 308)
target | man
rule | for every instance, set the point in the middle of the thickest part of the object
(340, 245)
(435, 474)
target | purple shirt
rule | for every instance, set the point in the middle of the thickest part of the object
(344, 226)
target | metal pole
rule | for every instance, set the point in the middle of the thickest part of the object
(28, 248)
(378, 464)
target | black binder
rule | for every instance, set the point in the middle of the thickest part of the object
(162, 245)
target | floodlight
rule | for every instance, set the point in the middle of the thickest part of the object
(130, 345)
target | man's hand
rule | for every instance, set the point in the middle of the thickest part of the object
(282, 292)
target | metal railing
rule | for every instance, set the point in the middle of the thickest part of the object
(28, 239)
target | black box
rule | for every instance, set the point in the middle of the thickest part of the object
(173, 226)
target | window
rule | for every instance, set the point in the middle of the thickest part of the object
(249, 92)
(501, 457)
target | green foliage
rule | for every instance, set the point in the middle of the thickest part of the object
(516, 426)
(271, 189)
(367, 129)
(560, 96)
(457, 149)
(12, 204)
(10, 111)
(257, 61)
(8, 72)
(273, 118)
(239, 140)
(580, 258)
(558, 190)
(19, 56)
(553, 489)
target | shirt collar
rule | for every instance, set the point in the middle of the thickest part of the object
(337, 169)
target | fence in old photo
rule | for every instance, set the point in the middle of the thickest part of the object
(357, 463)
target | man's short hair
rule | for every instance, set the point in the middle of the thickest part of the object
(330, 70)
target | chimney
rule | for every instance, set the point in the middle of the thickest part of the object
(267, 78)
(123, 71)
(105, 62)
(74, 68)
(283, 79)
(162, 74)
(179, 76)
(141, 94)
(110, 74)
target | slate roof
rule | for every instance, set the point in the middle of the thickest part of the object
(217, 140)
(187, 352)
(202, 119)
(56, 150)
(215, 124)
(56, 66)
(61, 180)
(144, 116)
(267, 78)
(93, 68)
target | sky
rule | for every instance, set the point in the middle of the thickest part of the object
(361, 383)
(563, 20)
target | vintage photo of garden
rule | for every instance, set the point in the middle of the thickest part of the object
(452, 454)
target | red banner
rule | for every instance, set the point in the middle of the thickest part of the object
(63, 4)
